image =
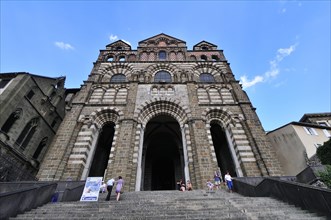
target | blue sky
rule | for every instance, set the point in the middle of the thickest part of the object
(279, 50)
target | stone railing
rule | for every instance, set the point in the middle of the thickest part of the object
(16, 198)
(307, 197)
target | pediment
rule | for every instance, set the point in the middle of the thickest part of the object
(119, 45)
(162, 40)
(205, 45)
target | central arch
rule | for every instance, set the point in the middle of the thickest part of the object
(163, 160)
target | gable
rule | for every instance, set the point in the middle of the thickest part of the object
(119, 45)
(162, 40)
(204, 45)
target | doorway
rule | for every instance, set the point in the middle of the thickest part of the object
(163, 162)
(102, 151)
(221, 146)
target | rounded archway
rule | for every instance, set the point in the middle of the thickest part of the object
(222, 149)
(102, 151)
(163, 161)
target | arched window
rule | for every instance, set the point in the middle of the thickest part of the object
(27, 133)
(206, 77)
(11, 120)
(203, 58)
(214, 58)
(162, 55)
(110, 59)
(162, 76)
(40, 147)
(193, 58)
(118, 78)
(122, 58)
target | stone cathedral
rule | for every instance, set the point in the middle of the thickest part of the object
(158, 114)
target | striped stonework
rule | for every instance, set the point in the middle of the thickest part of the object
(185, 123)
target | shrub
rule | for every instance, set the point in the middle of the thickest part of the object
(325, 176)
(324, 153)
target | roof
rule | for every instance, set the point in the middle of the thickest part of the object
(14, 74)
(204, 42)
(316, 115)
(119, 42)
(162, 35)
(303, 124)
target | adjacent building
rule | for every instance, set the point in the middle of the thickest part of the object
(32, 109)
(157, 114)
(296, 143)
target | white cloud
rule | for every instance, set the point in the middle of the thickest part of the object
(284, 52)
(273, 69)
(113, 37)
(64, 46)
(246, 83)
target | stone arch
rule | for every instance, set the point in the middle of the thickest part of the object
(234, 135)
(14, 116)
(214, 94)
(161, 105)
(180, 56)
(153, 69)
(152, 56)
(81, 158)
(27, 133)
(143, 56)
(221, 114)
(156, 111)
(121, 56)
(172, 56)
(226, 94)
(193, 58)
(206, 68)
(110, 57)
(110, 69)
(105, 115)
(96, 94)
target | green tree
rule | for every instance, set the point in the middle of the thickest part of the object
(325, 176)
(324, 153)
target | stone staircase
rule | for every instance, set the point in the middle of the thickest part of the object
(197, 204)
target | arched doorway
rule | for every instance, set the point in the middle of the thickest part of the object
(102, 151)
(163, 161)
(222, 150)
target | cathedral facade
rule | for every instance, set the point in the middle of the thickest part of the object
(158, 114)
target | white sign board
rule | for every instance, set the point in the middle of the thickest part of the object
(91, 189)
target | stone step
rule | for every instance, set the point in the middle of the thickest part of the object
(197, 204)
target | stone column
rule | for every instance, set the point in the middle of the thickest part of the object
(122, 164)
(139, 161)
(204, 166)
(185, 153)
